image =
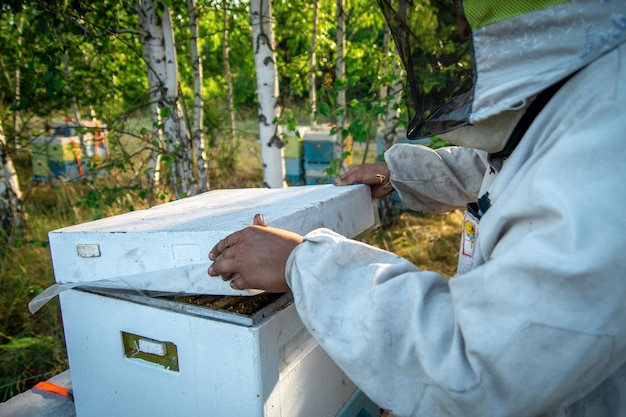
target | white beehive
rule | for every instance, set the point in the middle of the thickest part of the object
(165, 248)
(134, 355)
(141, 356)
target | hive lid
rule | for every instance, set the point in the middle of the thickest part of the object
(165, 248)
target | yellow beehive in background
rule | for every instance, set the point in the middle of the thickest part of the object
(63, 156)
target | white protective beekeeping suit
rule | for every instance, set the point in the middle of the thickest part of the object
(533, 324)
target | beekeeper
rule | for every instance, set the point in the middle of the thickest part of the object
(534, 322)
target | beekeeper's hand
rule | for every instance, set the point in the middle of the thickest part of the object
(375, 174)
(254, 257)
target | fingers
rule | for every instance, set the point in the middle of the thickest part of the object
(221, 266)
(233, 239)
(259, 220)
(351, 176)
(371, 174)
(220, 252)
(254, 257)
(238, 284)
(222, 245)
(377, 175)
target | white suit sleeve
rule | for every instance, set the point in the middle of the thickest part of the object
(531, 329)
(367, 307)
(436, 181)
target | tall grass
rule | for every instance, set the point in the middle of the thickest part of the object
(429, 241)
(32, 347)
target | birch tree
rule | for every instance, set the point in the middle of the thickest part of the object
(174, 128)
(267, 93)
(161, 62)
(196, 63)
(153, 173)
(152, 47)
(12, 215)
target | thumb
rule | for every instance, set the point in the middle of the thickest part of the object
(259, 220)
(347, 178)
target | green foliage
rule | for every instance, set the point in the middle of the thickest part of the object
(104, 199)
(362, 113)
(241, 53)
(99, 64)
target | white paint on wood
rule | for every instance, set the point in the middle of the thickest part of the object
(270, 369)
(165, 248)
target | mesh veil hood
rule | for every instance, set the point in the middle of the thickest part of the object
(517, 49)
(437, 63)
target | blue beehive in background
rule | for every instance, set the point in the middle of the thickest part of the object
(294, 171)
(320, 149)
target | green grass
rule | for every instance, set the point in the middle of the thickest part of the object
(32, 347)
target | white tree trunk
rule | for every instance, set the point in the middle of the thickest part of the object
(174, 125)
(313, 66)
(12, 215)
(152, 46)
(196, 62)
(267, 93)
(228, 76)
(160, 54)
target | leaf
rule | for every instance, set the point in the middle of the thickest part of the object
(166, 112)
(56, 85)
(324, 109)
